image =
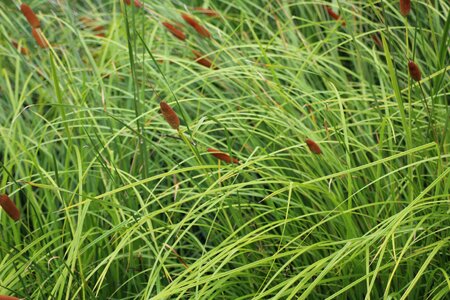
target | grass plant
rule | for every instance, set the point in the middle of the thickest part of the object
(116, 204)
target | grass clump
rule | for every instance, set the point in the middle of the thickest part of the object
(116, 204)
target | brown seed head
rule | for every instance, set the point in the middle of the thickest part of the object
(199, 57)
(4, 297)
(169, 115)
(334, 15)
(137, 3)
(222, 156)
(175, 31)
(414, 71)
(199, 28)
(405, 7)
(313, 146)
(377, 40)
(21, 49)
(30, 15)
(92, 24)
(40, 40)
(9, 207)
(206, 11)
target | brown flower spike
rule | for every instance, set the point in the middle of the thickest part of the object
(9, 207)
(377, 40)
(313, 146)
(405, 7)
(222, 156)
(92, 24)
(21, 49)
(169, 115)
(175, 31)
(206, 11)
(199, 28)
(3, 297)
(30, 15)
(137, 3)
(199, 57)
(334, 15)
(414, 71)
(40, 40)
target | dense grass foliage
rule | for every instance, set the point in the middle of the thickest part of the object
(311, 161)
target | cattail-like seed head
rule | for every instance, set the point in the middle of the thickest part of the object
(4, 297)
(169, 115)
(20, 48)
(206, 11)
(175, 31)
(405, 7)
(199, 28)
(377, 40)
(190, 20)
(9, 207)
(92, 24)
(40, 40)
(222, 156)
(202, 60)
(414, 71)
(334, 15)
(99, 31)
(137, 3)
(30, 15)
(313, 146)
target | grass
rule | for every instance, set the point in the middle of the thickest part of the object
(115, 204)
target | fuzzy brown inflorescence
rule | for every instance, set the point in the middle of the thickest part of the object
(9, 207)
(313, 146)
(30, 15)
(222, 156)
(174, 31)
(169, 115)
(405, 7)
(414, 71)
